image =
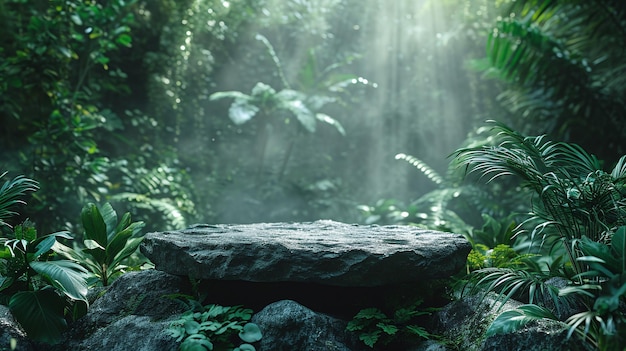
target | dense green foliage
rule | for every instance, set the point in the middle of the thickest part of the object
(107, 244)
(575, 227)
(38, 289)
(215, 327)
(187, 111)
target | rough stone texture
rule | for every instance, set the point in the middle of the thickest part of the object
(133, 314)
(10, 329)
(287, 325)
(324, 252)
(466, 321)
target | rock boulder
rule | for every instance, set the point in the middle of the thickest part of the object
(287, 325)
(466, 322)
(132, 314)
(323, 252)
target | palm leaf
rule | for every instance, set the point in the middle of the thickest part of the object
(11, 194)
(513, 320)
(67, 276)
(422, 167)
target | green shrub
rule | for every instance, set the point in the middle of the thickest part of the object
(107, 242)
(575, 225)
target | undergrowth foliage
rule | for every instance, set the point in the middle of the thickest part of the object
(215, 327)
(376, 329)
(574, 231)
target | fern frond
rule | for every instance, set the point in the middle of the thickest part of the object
(174, 216)
(422, 167)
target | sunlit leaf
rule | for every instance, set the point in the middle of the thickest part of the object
(331, 121)
(241, 111)
(302, 113)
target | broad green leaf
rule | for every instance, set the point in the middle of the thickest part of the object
(245, 347)
(251, 333)
(92, 245)
(94, 224)
(67, 276)
(5, 282)
(512, 320)
(191, 327)
(109, 216)
(123, 222)
(131, 246)
(44, 245)
(40, 313)
(117, 244)
(196, 342)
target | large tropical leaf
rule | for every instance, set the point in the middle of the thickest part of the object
(564, 67)
(109, 216)
(121, 240)
(513, 320)
(131, 246)
(40, 313)
(67, 276)
(94, 224)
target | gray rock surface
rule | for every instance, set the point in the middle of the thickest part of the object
(324, 252)
(287, 325)
(133, 314)
(466, 321)
(10, 329)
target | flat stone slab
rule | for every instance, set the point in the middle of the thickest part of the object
(324, 252)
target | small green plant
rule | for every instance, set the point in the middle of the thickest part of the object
(107, 243)
(215, 327)
(38, 289)
(375, 328)
(576, 228)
